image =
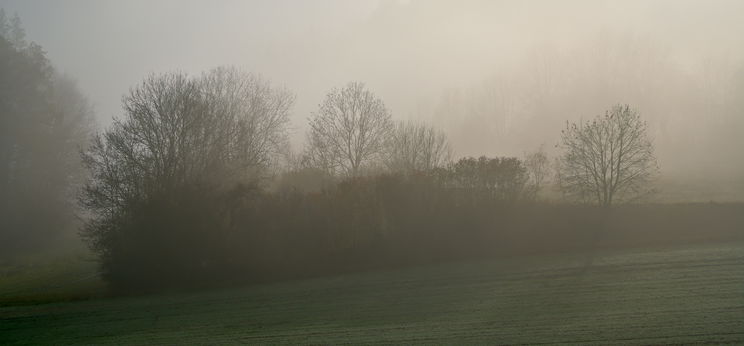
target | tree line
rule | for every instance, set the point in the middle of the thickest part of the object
(196, 181)
(181, 189)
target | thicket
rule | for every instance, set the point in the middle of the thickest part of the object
(201, 238)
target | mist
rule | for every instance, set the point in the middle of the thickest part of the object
(500, 78)
(352, 172)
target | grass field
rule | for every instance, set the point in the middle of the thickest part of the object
(50, 278)
(692, 294)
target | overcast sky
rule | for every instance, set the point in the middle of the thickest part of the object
(409, 52)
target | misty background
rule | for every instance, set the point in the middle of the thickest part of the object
(499, 77)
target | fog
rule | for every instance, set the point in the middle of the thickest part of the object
(338, 171)
(499, 77)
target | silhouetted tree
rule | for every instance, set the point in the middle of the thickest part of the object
(608, 158)
(161, 173)
(349, 130)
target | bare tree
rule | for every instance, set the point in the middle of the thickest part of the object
(254, 114)
(178, 133)
(607, 159)
(538, 169)
(417, 147)
(223, 126)
(349, 130)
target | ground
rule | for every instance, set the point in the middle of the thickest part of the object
(691, 294)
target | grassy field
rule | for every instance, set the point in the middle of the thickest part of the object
(57, 277)
(62, 276)
(691, 294)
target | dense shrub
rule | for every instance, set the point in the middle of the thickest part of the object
(201, 237)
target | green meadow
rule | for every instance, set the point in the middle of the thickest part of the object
(679, 295)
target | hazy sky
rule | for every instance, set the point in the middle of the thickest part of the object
(409, 52)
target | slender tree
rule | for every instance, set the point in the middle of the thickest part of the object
(538, 169)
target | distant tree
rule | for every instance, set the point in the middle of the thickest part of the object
(16, 32)
(607, 159)
(256, 113)
(222, 127)
(349, 130)
(538, 169)
(4, 25)
(12, 30)
(416, 147)
(500, 178)
(181, 146)
(44, 121)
